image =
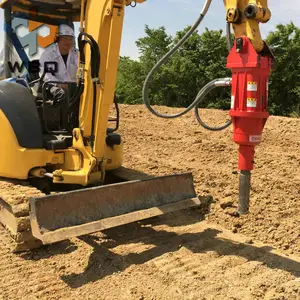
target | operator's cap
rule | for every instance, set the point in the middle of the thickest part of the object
(65, 30)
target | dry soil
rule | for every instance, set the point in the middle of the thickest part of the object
(203, 253)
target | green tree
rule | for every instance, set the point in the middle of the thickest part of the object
(153, 46)
(129, 81)
(284, 91)
(201, 59)
(214, 52)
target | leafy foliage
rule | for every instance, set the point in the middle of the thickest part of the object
(201, 59)
(285, 78)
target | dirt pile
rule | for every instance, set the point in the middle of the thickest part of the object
(199, 254)
(161, 146)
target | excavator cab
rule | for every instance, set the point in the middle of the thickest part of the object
(62, 171)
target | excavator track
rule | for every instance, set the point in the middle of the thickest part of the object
(14, 209)
(23, 214)
(14, 214)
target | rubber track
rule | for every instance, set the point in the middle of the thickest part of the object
(14, 214)
(14, 209)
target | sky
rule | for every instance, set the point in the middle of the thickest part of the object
(175, 15)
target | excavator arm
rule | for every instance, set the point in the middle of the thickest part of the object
(245, 16)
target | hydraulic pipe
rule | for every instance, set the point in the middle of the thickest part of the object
(244, 192)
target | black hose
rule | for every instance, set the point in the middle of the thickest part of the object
(95, 66)
(95, 55)
(81, 45)
(80, 87)
(94, 59)
(228, 36)
(117, 115)
(208, 127)
(93, 115)
(196, 111)
(95, 69)
(76, 97)
(202, 92)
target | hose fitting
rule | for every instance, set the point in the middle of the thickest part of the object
(250, 11)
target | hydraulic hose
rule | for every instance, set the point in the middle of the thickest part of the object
(203, 92)
(117, 115)
(80, 87)
(94, 66)
(164, 59)
(209, 87)
(228, 36)
(95, 70)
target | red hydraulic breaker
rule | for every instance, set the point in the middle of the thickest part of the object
(249, 105)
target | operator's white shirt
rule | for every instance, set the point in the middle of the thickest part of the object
(65, 72)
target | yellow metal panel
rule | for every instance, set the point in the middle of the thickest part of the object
(107, 98)
(15, 162)
(96, 10)
(114, 157)
(73, 160)
(243, 26)
(54, 158)
(87, 164)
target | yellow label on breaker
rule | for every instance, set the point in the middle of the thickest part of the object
(251, 102)
(252, 86)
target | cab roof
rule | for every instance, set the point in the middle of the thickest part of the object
(52, 12)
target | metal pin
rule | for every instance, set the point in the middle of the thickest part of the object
(244, 192)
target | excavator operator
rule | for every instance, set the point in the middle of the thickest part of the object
(65, 57)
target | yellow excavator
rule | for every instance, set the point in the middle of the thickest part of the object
(61, 168)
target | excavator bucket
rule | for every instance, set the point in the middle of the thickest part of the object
(65, 215)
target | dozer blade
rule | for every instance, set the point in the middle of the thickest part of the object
(62, 216)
